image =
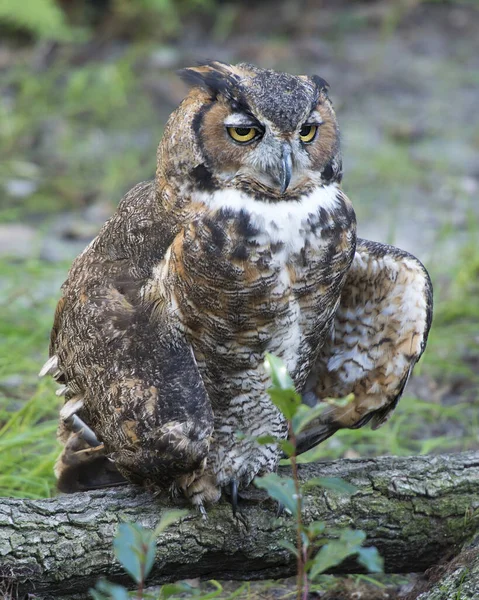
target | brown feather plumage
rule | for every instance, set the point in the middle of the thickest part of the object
(232, 251)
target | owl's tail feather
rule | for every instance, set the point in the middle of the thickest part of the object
(312, 437)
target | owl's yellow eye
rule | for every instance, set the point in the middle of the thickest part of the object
(242, 134)
(307, 133)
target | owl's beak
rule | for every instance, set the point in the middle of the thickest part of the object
(286, 167)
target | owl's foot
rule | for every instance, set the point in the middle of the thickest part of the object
(206, 491)
(200, 491)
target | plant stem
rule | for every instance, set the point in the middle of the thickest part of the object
(142, 572)
(302, 579)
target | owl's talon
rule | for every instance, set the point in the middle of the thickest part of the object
(279, 510)
(234, 496)
(202, 510)
(78, 426)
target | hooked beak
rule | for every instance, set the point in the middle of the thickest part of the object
(286, 167)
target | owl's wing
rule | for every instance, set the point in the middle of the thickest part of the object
(379, 333)
(129, 374)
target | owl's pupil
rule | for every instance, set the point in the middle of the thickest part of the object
(305, 130)
(243, 130)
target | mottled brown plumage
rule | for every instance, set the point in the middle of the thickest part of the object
(243, 244)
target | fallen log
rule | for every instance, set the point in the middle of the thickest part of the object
(454, 579)
(415, 510)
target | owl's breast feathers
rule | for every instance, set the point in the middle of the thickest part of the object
(245, 276)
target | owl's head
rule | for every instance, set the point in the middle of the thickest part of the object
(261, 131)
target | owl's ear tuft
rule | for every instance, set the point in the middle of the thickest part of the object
(214, 76)
(322, 85)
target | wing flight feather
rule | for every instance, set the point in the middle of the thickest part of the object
(379, 333)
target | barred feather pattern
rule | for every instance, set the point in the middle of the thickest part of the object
(242, 284)
(379, 333)
(234, 250)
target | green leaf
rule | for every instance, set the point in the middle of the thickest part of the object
(167, 519)
(146, 540)
(304, 415)
(128, 548)
(149, 555)
(339, 402)
(289, 546)
(170, 589)
(114, 591)
(287, 401)
(371, 559)
(267, 439)
(331, 554)
(276, 368)
(331, 483)
(281, 489)
(316, 528)
(353, 538)
(43, 18)
(305, 539)
(334, 552)
(287, 447)
(214, 594)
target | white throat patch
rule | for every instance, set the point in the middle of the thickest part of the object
(283, 221)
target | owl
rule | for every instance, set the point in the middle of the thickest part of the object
(243, 244)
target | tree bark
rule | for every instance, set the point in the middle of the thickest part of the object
(455, 579)
(415, 510)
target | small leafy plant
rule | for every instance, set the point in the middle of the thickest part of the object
(135, 549)
(290, 493)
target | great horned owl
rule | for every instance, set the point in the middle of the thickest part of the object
(243, 244)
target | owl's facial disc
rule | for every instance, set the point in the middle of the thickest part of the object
(266, 133)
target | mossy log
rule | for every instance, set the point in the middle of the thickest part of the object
(415, 510)
(457, 579)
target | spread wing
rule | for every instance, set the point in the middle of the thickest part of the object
(379, 333)
(135, 400)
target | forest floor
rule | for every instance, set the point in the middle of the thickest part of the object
(79, 125)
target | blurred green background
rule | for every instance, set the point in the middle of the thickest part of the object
(85, 90)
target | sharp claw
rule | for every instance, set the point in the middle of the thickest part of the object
(50, 367)
(202, 510)
(234, 495)
(80, 427)
(279, 510)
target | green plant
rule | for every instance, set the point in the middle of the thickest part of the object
(42, 18)
(290, 493)
(135, 549)
(28, 406)
(76, 21)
